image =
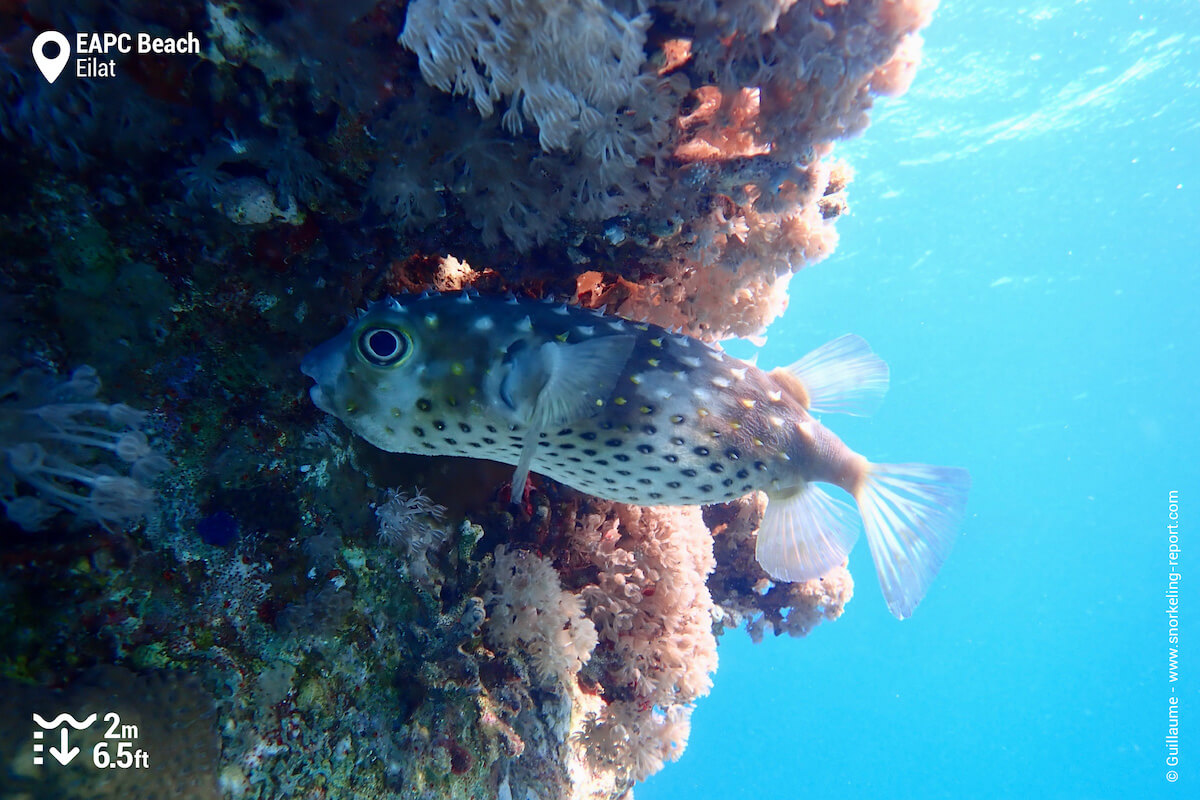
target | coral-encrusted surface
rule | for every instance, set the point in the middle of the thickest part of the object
(191, 227)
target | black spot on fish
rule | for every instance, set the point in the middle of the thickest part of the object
(438, 424)
(491, 428)
(653, 468)
(688, 473)
(673, 484)
(678, 419)
(747, 487)
(610, 481)
(487, 440)
(649, 430)
(428, 446)
(760, 466)
(732, 455)
(677, 441)
(565, 432)
(567, 446)
(588, 436)
(645, 449)
(574, 459)
(464, 427)
(700, 451)
(613, 443)
(543, 444)
(671, 459)
(621, 457)
(419, 431)
(706, 487)
(644, 481)
(602, 462)
(715, 467)
(743, 474)
(624, 473)
(655, 496)
(727, 482)
(448, 440)
(589, 452)
(424, 405)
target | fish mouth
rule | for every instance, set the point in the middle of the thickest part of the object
(319, 399)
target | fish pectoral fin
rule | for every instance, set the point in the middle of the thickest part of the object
(843, 376)
(575, 379)
(524, 463)
(558, 383)
(805, 535)
(911, 513)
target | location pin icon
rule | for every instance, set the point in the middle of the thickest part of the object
(51, 67)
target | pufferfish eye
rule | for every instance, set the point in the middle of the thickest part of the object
(382, 346)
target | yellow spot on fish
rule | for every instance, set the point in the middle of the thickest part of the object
(351, 408)
(777, 422)
(641, 326)
(395, 411)
(721, 383)
(635, 379)
(600, 402)
(747, 402)
(620, 401)
(738, 374)
(737, 426)
(775, 397)
(656, 342)
(562, 337)
(456, 368)
(758, 442)
(431, 320)
(702, 412)
(652, 362)
(646, 409)
(452, 401)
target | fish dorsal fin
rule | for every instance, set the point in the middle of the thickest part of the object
(557, 383)
(840, 377)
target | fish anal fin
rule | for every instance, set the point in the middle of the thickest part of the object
(806, 534)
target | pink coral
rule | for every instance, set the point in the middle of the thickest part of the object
(654, 614)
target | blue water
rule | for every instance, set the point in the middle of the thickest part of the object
(1024, 250)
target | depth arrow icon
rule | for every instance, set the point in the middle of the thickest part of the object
(61, 754)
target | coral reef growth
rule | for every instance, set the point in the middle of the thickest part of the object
(61, 449)
(672, 160)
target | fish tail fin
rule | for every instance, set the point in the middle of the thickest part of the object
(911, 513)
(806, 534)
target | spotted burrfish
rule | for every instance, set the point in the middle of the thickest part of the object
(634, 413)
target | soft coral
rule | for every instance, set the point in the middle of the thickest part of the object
(55, 435)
